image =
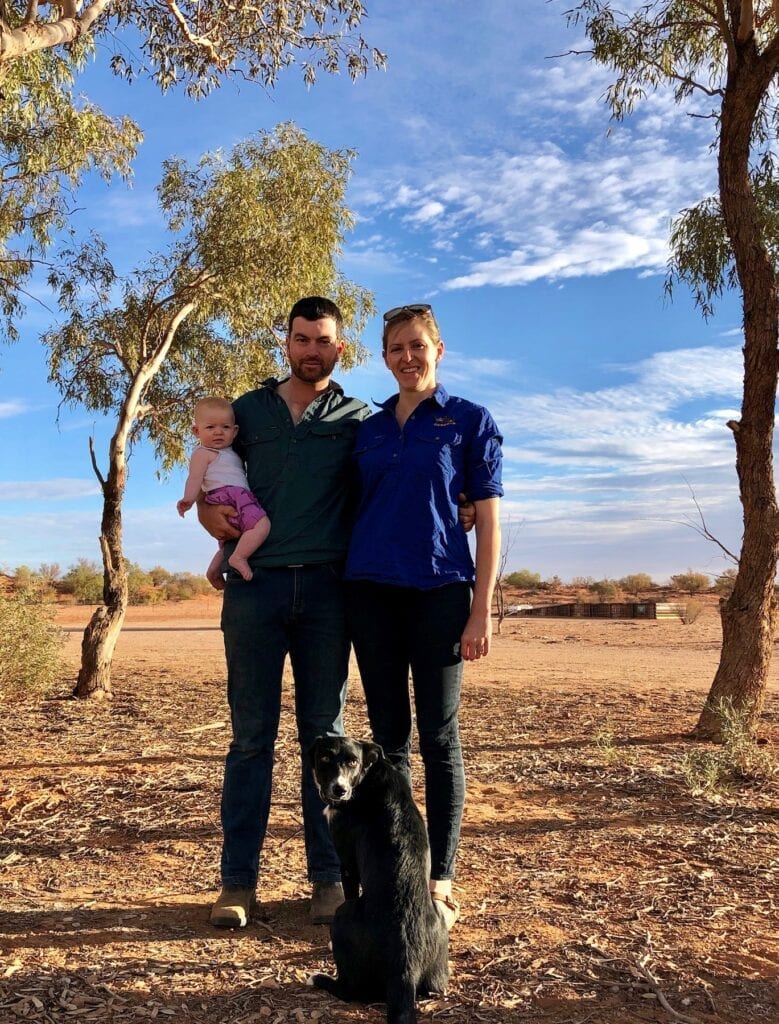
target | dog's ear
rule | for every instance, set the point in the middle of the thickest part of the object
(312, 750)
(371, 753)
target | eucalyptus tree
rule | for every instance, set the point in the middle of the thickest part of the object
(48, 140)
(197, 42)
(726, 53)
(251, 231)
(49, 136)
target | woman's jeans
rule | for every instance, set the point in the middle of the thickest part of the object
(395, 629)
(297, 610)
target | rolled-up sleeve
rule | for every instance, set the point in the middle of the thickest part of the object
(484, 465)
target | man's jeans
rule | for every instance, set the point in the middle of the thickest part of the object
(297, 610)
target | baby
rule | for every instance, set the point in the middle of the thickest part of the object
(216, 469)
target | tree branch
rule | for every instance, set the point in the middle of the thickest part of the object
(724, 27)
(746, 25)
(95, 466)
(203, 42)
(29, 38)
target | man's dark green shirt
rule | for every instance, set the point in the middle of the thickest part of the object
(300, 472)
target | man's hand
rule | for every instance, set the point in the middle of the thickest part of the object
(214, 518)
(466, 513)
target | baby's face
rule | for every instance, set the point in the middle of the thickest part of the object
(215, 429)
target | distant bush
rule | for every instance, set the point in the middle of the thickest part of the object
(84, 581)
(32, 587)
(604, 590)
(30, 644)
(554, 583)
(582, 582)
(691, 582)
(724, 583)
(637, 583)
(184, 586)
(524, 579)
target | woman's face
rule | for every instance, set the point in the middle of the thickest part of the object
(412, 356)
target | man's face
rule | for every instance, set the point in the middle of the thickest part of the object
(313, 348)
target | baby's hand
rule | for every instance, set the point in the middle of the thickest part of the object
(183, 506)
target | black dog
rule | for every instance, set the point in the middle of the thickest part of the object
(389, 943)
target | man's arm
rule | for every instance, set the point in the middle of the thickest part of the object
(475, 641)
(214, 519)
(466, 513)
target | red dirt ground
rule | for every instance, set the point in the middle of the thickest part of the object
(596, 886)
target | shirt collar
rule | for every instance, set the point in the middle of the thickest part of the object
(273, 382)
(440, 396)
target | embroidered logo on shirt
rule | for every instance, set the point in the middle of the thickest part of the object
(444, 421)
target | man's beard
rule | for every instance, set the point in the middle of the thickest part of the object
(312, 371)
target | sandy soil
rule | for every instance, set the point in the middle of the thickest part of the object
(596, 886)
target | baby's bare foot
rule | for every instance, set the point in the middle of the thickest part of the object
(240, 565)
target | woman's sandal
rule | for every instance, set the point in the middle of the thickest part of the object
(448, 907)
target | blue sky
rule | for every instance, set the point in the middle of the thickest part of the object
(489, 184)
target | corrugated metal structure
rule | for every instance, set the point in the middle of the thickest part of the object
(608, 610)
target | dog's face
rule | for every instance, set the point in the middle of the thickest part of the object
(340, 764)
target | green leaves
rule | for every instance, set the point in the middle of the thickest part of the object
(49, 138)
(200, 42)
(251, 231)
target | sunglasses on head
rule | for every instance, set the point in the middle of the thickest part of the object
(415, 307)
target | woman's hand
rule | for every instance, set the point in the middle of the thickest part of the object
(475, 641)
(215, 519)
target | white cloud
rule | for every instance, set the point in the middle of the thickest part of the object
(63, 489)
(13, 407)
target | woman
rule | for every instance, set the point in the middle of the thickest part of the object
(415, 600)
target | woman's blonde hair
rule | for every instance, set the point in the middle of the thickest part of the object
(404, 315)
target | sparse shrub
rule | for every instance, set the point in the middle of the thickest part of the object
(724, 583)
(31, 587)
(692, 611)
(738, 760)
(691, 582)
(524, 579)
(554, 583)
(30, 644)
(604, 738)
(84, 581)
(140, 586)
(637, 583)
(582, 582)
(184, 586)
(604, 590)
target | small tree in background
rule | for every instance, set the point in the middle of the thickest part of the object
(604, 590)
(508, 539)
(253, 230)
(84, 581)
(32, 587)
(637, 583)
(524, 579)
(691, 582)
(724, 583)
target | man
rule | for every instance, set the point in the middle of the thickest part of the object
(295, 436)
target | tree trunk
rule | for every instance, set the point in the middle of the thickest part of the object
(748, 615)
(100, 636)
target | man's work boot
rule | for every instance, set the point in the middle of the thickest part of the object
(232, 907)
(326, 898)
